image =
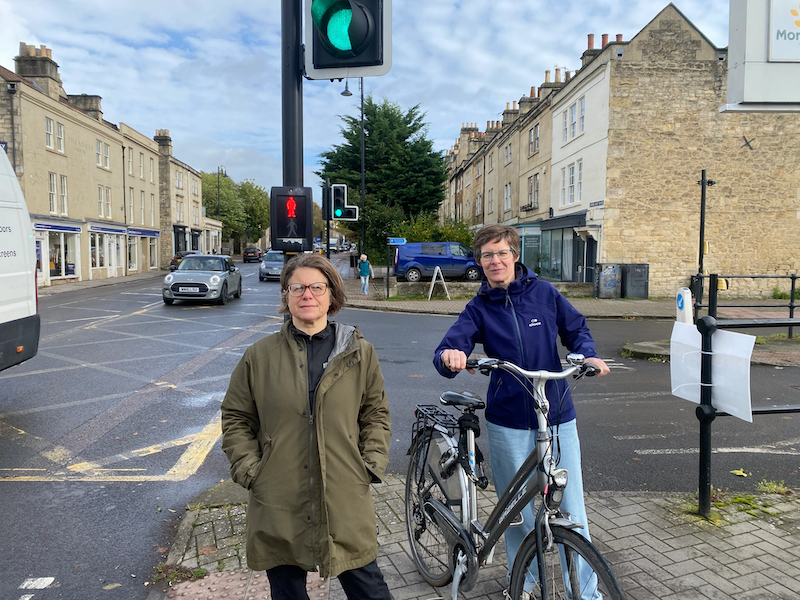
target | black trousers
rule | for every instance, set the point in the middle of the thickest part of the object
(288, 582)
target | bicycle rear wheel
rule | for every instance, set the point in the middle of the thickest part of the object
(574, 570)
(428, 543)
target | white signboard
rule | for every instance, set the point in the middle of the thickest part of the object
(784, 31)
(730, 368)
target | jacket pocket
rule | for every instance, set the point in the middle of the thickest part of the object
(258, 468)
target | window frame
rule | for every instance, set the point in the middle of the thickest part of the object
(60, 137)
(62, 196)
(98, 149)
(100, 203)
(573, 120)
(570, 184)
(536, 190)
(141, 165)
(579, 195)
(582, 120)
(141, 208)
(53, 192)
(563, 186)
(108, 202)
(130, 160)
(106, 156)
(48, 133)
(507, 197)
(152, 169)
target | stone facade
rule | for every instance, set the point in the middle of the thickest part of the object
(93, 188)
(622, 143)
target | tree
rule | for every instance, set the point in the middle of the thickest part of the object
(255, 202)
(231, 209)
(404, 177)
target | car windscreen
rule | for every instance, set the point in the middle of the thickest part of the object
(274, 257)
(201, 263)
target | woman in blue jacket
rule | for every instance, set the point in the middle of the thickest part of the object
(518, 318)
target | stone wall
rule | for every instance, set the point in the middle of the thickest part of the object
(665, 128)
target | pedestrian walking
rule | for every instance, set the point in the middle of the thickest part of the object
(305, 426)
(365, 271)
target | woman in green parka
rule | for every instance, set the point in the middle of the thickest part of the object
(305, 426)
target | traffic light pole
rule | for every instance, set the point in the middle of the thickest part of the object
(362, 241)
(292, 91)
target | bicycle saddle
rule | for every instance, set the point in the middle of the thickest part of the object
(466, 399)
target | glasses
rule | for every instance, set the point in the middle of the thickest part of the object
(298, 289)
(486, 257)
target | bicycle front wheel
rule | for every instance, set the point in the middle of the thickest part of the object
(574, 570)
(428, 543)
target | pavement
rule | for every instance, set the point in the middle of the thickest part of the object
(655, 542)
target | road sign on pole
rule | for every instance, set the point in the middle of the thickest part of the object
(396, 241)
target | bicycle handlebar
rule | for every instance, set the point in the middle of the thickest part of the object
(577, 367)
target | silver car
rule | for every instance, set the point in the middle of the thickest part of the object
(203, 277)
(271, 266)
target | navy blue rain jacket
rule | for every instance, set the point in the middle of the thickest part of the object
(520, 324)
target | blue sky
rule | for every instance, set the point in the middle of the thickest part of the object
(209, 71)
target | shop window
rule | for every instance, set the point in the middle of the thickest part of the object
(153, 253)
(62, 253)
(132, 258)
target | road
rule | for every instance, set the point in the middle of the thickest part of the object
(109, 433)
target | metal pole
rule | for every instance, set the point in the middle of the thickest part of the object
(705, 412)
(217, 192)
(363, 241)
(12, 89)
(292, 92)
(702, 183)
(327, 194)
(791, 302)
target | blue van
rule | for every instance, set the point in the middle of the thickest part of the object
(419, 259)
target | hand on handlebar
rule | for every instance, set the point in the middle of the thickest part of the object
(455, 360)
(599, 364)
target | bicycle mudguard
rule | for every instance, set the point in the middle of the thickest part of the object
(456, 536)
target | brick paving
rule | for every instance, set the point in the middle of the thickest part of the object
(656, 545)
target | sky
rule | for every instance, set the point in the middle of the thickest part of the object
(210, 72)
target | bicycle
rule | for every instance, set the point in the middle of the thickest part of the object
(448, 543)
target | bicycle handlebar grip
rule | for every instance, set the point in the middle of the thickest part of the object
(590, 369)
(472, 363)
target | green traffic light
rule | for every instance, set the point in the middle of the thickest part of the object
(338, 212)
(338, 30)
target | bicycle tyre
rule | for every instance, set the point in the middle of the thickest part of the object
(567, 545)
(428, 544)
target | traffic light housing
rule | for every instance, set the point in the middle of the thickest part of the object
(340, 209)
(348, 38)
(291, 219)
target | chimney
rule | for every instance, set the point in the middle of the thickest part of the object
(605, 40)
(547, 76)
(619, 37)
(88, 104)
(164, 142)
(558, 74)
(590, 45)
(566, 76)
(37, 64)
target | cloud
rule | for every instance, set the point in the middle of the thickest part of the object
(210, 72)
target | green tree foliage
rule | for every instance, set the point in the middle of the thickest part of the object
(426, 228)
(255, 201)
(404, 176)
(224, 199)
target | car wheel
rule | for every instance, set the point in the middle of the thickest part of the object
(238, 293)
(473, 274)
(223, 297)
(413, 275)
(168, 301)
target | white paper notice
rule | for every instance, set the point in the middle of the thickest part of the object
(730, 368)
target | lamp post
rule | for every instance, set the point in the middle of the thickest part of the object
(220, 171)
(347, 92)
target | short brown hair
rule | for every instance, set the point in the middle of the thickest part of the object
(322, 264)
(496, 233)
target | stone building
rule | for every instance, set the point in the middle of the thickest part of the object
(628, 135)
(88, 183)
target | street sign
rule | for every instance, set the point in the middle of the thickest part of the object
(397, 241)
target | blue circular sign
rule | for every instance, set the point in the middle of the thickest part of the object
(680, 301)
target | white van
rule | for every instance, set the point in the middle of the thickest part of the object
(19, 300)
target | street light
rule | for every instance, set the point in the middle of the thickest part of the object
(347, 92)
(220, 171)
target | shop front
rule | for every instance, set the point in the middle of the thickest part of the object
(197, 237)
(179, 238)
(567, 253)
(142, 249)
(106, 251)
(58, 250)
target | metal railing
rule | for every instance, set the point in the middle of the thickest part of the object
(713, 302)
(705, 412)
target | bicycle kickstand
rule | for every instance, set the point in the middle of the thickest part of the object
(458, 574)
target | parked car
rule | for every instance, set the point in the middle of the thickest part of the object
(419, 259)
(203, 277)
(179, 256)
(271, 266)
(252, 254)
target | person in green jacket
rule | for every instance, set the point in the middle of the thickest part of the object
(365, 272)
(306, 428)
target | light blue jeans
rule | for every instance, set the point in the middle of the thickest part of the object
(365, 284)
(508, 449)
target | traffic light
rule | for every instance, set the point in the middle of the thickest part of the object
(340, 210)
(291, 218)
(348, 38)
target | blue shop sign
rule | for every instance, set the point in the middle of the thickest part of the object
(100, 229)
(144, 232)
(49, 227)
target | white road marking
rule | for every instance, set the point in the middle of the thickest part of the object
(741, 450)
(98, 319)
(38, 583)
(26, 597)
(654, 436)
